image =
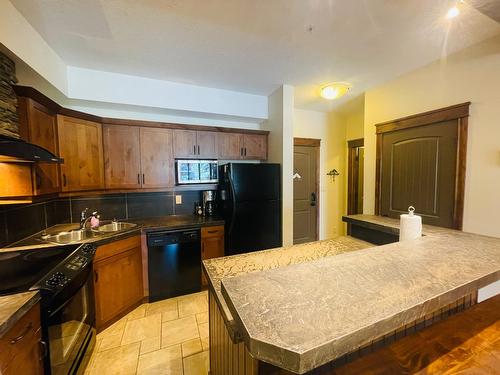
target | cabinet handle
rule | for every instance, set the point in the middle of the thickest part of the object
(212, 231)
(245, 151)
(64, 179)
(198, 149)
(194, 149)
(143, 179)
(138, 178)
(96, 276)
(21, 336)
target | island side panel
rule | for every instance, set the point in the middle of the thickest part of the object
(226, 357)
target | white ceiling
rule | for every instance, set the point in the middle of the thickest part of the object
(255, 46)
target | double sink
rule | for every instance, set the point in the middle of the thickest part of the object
(78, 235)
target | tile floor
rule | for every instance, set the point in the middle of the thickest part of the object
(164, 337)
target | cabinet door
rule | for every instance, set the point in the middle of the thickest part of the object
(185, 143)
(230, 146)
(38, 125)
(255, 146)
(212, 245)
(157, 159)
(122, 161)
(117, 285)
(80, 144)
(206, 145)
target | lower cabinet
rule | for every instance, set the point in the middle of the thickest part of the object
(117, 279)
(21, 347)
(212, 245)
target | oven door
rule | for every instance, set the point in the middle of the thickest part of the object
(70, 322)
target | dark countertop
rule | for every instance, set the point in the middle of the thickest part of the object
(303, 315)
(13, 307)
(143, 225)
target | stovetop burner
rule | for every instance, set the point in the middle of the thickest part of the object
(20, 270)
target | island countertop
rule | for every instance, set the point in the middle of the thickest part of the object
(304, 315)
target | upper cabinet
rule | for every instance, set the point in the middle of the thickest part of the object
(122, 163)
(37, 124)
(80, 144)
(138, 157)
(157, 159)
(234, 146)
(195, 144)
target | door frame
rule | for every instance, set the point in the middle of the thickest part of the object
(313, 142)
(458, 112)
(352, 174)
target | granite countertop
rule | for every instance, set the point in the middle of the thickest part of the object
(13, 307)
(143, 224)
(304, 315)
(221, 268)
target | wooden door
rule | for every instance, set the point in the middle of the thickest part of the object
(355, 172)
(185, 143)
(117, 285)
(38, 125)
(122, 161)
(419, 169)
(206, 145)
(157, 161)
(305, 194)
(212, 245)
(80, 144)
(255, 147)
(230, 146)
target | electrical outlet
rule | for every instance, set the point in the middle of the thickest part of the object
(178, 199)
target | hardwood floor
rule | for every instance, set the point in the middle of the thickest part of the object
(164, 337)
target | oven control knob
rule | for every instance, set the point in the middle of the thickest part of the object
(88, 248)
(52, 282)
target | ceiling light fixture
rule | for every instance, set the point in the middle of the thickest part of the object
(453, 12)
(335, 90)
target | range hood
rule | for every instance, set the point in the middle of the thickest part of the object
(17, 150)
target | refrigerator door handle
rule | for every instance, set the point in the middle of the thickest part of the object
(233, 199)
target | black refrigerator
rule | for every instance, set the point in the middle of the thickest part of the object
(250, 198)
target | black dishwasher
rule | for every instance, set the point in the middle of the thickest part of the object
(174, 263)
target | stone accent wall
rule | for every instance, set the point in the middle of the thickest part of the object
(9, 121)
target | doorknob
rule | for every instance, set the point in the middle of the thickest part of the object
(313, 199)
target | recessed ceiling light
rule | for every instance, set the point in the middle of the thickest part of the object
(335, 90)
(453, 12)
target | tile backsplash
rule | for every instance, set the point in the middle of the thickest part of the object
(22, 221)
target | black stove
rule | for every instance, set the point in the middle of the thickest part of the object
(63, 276)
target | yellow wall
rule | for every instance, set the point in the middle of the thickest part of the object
(330, 128)
(471, 75)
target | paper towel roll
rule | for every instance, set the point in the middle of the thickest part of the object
(410, 225)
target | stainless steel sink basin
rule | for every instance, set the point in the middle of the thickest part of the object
(69, 236)
(115, 226)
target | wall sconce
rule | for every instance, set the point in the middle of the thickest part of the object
(333, 173)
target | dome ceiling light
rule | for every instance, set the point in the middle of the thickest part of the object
(335, 90)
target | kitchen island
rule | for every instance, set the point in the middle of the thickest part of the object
(319, 312)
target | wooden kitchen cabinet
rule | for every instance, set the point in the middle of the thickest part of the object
(122, 163)
(20, 347)
(38, 125)
(117, 280)
(195, 144)
(80, 144)
(157, 159)
(138, 157)
(212, 245)
(235, 146)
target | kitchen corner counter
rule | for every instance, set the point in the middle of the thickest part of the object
(13, 308)
(304, 315)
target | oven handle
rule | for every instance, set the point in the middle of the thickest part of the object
(88, 268)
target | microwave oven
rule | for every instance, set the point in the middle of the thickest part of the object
(196, 171)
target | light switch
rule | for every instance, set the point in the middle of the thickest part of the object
(178, 199)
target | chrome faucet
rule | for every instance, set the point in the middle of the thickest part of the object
(84, 219)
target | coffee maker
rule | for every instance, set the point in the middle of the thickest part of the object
(209, 204)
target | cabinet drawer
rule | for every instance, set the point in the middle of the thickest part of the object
(207, 232)
(20, 338)
(117, 247)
